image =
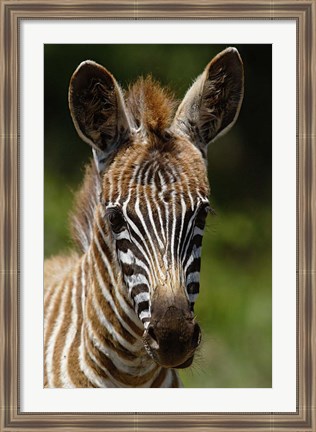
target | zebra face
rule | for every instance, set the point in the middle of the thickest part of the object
(158, 228)
(152, 160)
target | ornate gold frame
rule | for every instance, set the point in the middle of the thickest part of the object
(304, 13)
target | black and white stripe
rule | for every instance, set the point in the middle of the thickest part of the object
(162, 230)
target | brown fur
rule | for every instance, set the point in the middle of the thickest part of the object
(151, 105)
(85, 202)
(60, 341)
(182, 158)
(56, 268)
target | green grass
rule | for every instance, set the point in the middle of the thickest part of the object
(234, 306)
(58, 199)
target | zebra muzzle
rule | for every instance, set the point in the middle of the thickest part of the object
(172, 338)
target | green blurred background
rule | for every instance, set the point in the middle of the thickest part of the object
(234, 307)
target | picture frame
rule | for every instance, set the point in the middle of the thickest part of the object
(303, 12)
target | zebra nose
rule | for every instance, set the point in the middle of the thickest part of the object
(153, 342)
(173, 338)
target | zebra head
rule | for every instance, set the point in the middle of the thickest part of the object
(154, 188)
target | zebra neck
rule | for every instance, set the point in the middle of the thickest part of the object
(111, 340)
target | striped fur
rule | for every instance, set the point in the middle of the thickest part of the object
(121, 313)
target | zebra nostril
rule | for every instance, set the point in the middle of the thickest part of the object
(154, 342)
(151, 333)
(196, 337)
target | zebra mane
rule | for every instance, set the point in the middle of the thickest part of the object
(151, 106)
(152, 109)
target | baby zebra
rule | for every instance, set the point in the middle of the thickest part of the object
(120, 313)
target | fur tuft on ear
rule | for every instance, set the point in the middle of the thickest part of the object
(211, 106)
(98, 109)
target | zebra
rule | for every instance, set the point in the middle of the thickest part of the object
(120, 313)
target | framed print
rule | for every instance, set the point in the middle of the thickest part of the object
(250, 258)
(257, 357)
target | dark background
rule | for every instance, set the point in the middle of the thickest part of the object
(234, 306)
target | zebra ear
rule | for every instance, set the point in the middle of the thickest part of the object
(98, 110)
(211, 106)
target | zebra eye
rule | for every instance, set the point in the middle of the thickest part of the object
(201, 216)
(116, 220)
